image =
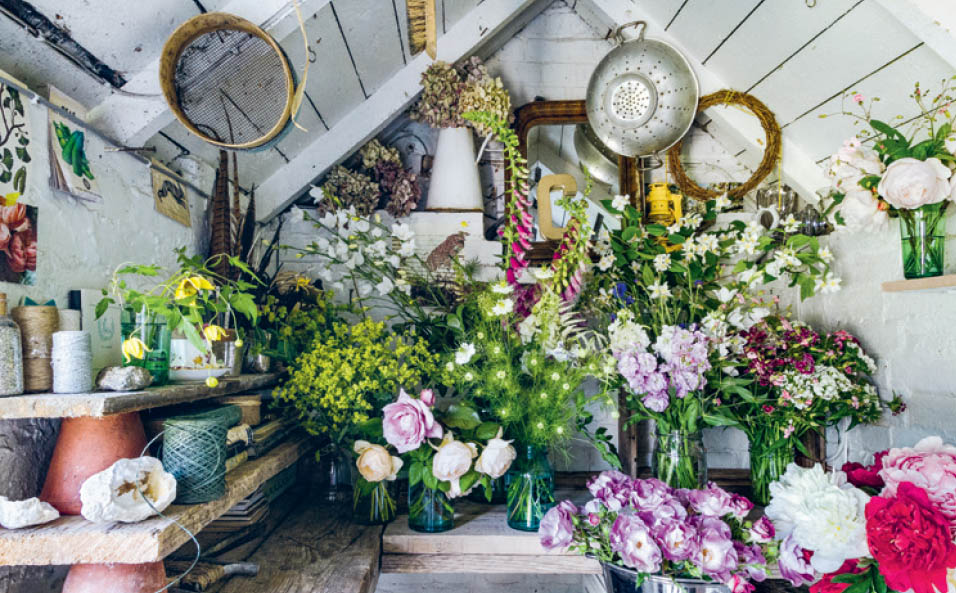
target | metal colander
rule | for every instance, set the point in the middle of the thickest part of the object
(642, 97)
(227, 81)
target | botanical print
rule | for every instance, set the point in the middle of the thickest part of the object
(170, 197)
(14, 140)
(18, 243)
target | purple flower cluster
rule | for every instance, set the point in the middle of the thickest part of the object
(651, 527)
(678, 362)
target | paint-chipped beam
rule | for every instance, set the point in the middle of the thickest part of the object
(934, 23)
(133, 120)
(490, 22)
(799, 170)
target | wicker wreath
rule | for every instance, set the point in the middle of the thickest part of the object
(770, 127)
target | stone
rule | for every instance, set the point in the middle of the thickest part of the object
(15, 514)
(114, 493)
(123, 378)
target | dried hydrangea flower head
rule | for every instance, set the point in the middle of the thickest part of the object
(344, 188)
(438, 105)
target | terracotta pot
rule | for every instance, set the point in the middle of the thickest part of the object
(115, 578)
(87, 446)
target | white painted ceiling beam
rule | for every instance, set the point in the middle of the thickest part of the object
(467, 36)
(134, 120)
(931, 21)
(799, 170)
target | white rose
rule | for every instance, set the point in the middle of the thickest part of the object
(496, 458)
(452, 461)
(910, 183)
(374, 462)
(861, 211)
(851, 164)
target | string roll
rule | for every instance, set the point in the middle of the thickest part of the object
(72, 360)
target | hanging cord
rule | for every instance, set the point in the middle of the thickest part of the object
(300, 90)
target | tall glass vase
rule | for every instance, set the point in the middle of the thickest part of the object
(923, 236)
(768, 461)
(332, 478)
(373, 503)
(680, 459)
(429, 510)
(155, 334)
(530, 484)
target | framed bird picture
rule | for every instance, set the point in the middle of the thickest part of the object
(169, 195)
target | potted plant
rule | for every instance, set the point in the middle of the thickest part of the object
(889, 173)
(650, 537)
(190, 307)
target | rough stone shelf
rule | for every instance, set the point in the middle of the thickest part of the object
(935, 284)
(105, 403)
(74, 540)
(481, 542)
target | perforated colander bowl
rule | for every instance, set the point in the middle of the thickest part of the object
(642, 97)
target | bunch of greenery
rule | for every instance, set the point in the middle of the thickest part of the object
(288, 324)
(349, 374)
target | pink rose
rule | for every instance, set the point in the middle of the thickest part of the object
(428, 397)
(407, 422)
(910, 183)
(929, 465)
(557, 527)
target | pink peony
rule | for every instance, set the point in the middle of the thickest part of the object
(929, 465)
(408, 422)
(739, 584)
(910, 183)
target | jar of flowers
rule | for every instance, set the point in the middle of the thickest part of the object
(908, 175)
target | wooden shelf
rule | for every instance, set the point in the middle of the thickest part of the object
(935, 284)
(105, 403)
(481, 542)
(74, 540)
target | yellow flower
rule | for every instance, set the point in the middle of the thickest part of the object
(191, 285)
(134, 348)
(213, 333)
(301, 282)
(211, 381)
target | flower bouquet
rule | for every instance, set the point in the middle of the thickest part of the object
(841, 539)
(645, 531)
(441, 467)
(904, 175)
(784, 380)
(373, 501)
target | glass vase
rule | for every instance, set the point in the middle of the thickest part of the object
(680, 459)
(373, 503)
(923, 237)
(499, 494)
(768, 461)
(333, 477)
(155, 334)
(429, 510)
(530, 484)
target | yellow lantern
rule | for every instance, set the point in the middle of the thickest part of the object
(663, 205)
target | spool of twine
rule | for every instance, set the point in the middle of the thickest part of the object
(69, 320)
(72, 362)
(37, 324)
(194, 451)
(37, 374)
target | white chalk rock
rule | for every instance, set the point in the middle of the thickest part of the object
(15, 514)
(114, 493)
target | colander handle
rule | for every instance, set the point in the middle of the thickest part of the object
(639, 25)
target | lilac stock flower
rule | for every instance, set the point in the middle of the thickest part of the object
(677, 540)
(612, 488)
(656, 402)
(712, 501)
(632, 539)
(762, 531)
(557, 530)
(795, 563)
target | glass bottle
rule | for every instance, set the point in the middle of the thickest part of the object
(11, 353)
(680, 459)
(429, 510)
(530, 483)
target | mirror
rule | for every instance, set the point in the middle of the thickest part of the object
(556, 140)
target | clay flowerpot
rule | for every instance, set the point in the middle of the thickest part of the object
(115, 578)
(87, 446)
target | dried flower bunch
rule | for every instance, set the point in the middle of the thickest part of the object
(345, 189)
(482, 92)
(398, 184)
(448, 93)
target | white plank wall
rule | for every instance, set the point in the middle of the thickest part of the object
(372, 36)
(453, 11)
(704, 24)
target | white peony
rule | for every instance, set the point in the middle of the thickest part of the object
(910, 183)
(452, 461)
(851, 164)
(861, 211)
(464, 353)
(822, 513)
(496, 458)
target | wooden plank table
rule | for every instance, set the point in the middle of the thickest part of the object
(481, 542)
(74, 540)
(105, 403)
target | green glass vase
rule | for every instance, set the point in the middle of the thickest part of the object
(923, 238)
(768, 461)
(155, 334)
(530, 484)
(429, 510)
(373, 503)
(680, 460)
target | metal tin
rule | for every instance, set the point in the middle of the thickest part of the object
(618, 579)
(642, 97)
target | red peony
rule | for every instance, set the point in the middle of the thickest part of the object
(911, 540)
(863, 476)
(826, 584)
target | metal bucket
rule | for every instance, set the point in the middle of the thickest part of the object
(618, 579)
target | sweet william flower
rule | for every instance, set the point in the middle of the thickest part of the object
(375, 463)
(910, 183)
(496, 457)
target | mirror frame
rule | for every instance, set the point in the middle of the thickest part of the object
(543, 113)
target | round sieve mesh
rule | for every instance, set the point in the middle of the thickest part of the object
(231, 85)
